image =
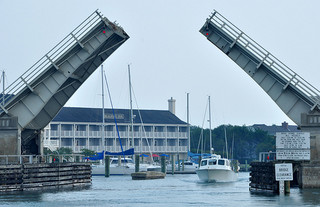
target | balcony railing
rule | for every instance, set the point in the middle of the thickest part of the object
(123, 134)
(137, 149)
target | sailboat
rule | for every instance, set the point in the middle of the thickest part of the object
(118, 165)
(214, 168)
(121, 165)
(142, 166)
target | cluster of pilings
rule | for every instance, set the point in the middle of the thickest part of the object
(262, 177)
(44, 176)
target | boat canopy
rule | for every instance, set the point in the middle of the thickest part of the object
(127, 152)
(191, 154)
(97, 156)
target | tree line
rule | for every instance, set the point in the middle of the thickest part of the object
(243, 142)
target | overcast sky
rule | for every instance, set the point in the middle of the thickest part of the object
(168, 55)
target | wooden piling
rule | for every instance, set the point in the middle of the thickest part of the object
(119, 160)
(182, 165)
(286, 187)
(178, 158)
(163, 164)
(263, 177)
(172, 161)
(137, 163)
(107, 166)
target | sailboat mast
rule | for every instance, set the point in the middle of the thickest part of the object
(225, 137)
(188, 122)
(103, 123)
(210, 136)
(3, 87)
(131, 110)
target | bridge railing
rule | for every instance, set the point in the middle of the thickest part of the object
(265, 57)
(51, 58)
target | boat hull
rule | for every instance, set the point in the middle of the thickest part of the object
(117, 170)
(217, 175)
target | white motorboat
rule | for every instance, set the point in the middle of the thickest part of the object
(217, 169)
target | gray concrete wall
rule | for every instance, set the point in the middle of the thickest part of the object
(311, 123)
(309, 175)
(309, 172)
(10, 139)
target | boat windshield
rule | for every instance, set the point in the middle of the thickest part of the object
(204, 162)
(220, 162)
(212, 162)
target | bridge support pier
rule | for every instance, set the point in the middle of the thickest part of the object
(10, 136)
(309, 172)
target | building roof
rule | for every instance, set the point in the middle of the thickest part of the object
(272, 130)
(78, 114)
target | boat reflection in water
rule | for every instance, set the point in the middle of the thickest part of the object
(217, 169)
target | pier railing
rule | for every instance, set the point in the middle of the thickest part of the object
(31, 159)
(267, 156)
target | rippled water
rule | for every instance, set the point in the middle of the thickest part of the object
(176, 190)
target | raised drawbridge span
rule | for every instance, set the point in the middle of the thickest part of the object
(298, 99)
(38, 94)
(288, 90)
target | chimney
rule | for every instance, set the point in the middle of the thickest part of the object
(285, 125)
(172, 105)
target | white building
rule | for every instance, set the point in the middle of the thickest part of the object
(160, 131)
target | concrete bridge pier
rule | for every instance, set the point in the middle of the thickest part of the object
(309, 172)
(10, 136)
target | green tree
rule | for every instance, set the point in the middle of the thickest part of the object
(63, 150)
(244, 143)
(87, 152)
(46, 151)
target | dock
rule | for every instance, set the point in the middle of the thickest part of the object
(148, 175)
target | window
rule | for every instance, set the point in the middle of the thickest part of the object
(203, 162)
(212, 162)
(220, 162)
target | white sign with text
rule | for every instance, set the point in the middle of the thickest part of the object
(284, 171)
(293, 145)
(293, 140)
